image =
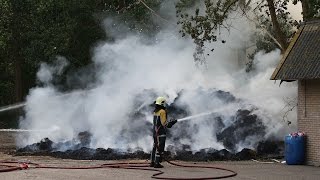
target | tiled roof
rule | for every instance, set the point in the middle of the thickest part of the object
(302, 58)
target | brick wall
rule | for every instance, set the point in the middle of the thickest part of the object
(309, 117)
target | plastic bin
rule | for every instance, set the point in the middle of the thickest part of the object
(294, 150)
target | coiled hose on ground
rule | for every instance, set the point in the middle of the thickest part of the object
(6, 166)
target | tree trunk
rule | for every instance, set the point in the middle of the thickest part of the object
(18, 80)
(305, 10)
(281, 38)
(16, 51)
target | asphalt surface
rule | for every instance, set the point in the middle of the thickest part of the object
(245, 169)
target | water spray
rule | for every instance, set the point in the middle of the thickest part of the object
(196, 116)
(22, 104)
(216, 111)
(12, 107)
(54, 128)
(20, 130)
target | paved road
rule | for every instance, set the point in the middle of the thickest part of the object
(246, 170)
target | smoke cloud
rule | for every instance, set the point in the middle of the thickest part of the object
(166, 66)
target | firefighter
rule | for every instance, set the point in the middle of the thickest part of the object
(160, 125)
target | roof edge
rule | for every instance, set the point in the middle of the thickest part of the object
(287, 52)
(312, 21)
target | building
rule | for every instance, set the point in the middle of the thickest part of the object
(301, 62)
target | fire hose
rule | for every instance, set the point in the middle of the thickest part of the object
(119, 165)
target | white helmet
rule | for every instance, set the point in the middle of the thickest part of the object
(161, 101)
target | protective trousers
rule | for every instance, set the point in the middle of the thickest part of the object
(158, 148)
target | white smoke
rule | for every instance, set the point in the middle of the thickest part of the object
(47, 72)
(129, 65)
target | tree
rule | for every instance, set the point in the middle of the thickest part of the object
(264, 39)
(34, 31)
(281, 38)
(202, 26)
(12, 41)
(310, 9)
(137, 15)
(6, 69)
(38, 31)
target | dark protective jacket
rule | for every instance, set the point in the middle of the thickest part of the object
(160, 122)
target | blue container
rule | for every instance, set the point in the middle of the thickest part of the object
(294, 149)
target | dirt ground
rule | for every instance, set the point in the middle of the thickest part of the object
(245, 169)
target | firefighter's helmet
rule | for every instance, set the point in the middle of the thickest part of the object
(161, 101)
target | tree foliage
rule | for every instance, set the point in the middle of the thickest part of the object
(35, 31)
(134, 14)
(204, 24)
(310, 8)
(264, 39)
(6, 67)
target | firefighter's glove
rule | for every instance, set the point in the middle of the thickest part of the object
(171, 123)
